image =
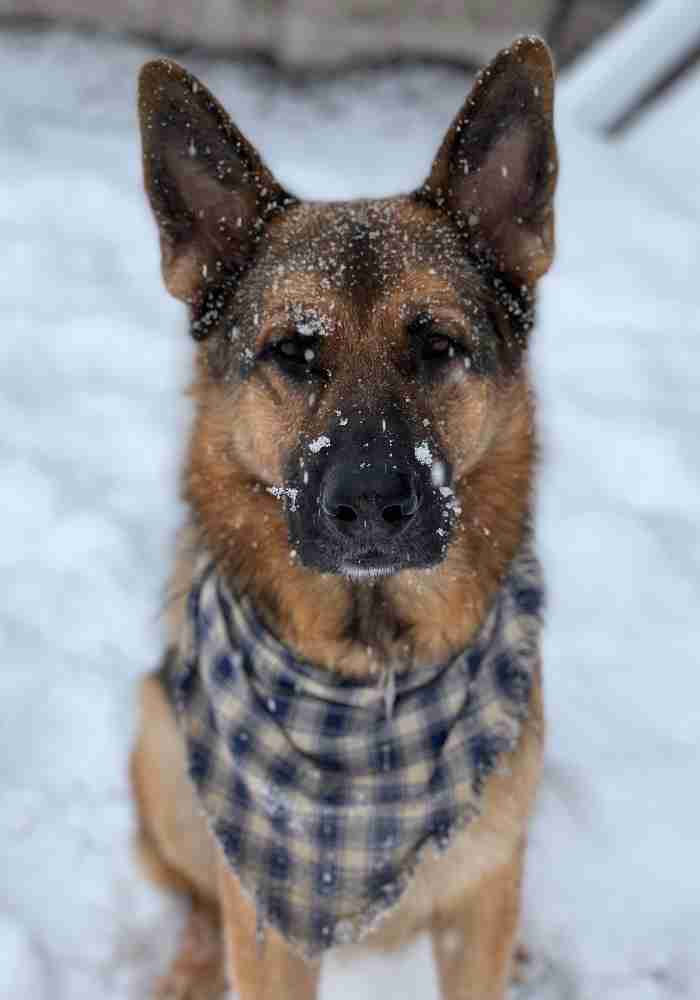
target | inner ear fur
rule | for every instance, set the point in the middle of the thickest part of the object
(210, 192)
(496, 169)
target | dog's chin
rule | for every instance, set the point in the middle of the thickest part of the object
(368, 565)
(364, 570)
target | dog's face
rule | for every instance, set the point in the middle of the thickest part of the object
(358, 359)
(362, 404)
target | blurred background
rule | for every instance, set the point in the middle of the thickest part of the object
(308, 35)
(345, 100)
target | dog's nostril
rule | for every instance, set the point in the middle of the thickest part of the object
(376, 501)
(410, 504)
(393, 514)
(344, 513)
(403, 510)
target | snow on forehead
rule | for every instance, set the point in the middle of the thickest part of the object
(349, 242)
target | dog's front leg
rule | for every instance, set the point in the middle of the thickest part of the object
(264, 969)
(474, 941)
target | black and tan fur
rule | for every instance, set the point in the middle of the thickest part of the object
(452, 266)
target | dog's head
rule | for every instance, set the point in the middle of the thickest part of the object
(362, 407)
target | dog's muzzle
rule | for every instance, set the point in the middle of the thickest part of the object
(368, 507)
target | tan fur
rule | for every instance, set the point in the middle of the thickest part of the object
(198, 971)
(261, 967)
(172, 830)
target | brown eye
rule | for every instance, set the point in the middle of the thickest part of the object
(290, 349)
(431, 344)
(437, 347)
(296, 356)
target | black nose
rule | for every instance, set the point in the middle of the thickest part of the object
(377, 501)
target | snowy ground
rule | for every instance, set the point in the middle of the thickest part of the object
(91, 427)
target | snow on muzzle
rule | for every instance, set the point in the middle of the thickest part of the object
(368, 500)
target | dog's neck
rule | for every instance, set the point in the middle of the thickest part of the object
(412, 620)
(360, 628)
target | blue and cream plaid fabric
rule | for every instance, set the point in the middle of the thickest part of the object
(322, 794)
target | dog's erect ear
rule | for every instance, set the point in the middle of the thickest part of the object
(209, 190)
(496, 169)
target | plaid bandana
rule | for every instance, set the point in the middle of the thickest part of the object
(324, 792)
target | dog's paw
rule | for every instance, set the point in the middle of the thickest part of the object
(198, 971)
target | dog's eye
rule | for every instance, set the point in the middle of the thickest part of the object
(432, 344)
(437, 347)
(295, 351)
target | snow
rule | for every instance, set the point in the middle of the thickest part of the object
(285, 493)
(423, 453)
(319, 443)
(92, 425)
(438, 474)
(651, 40)
(677, 177)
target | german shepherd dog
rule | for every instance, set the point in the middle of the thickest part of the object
(324, 331)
